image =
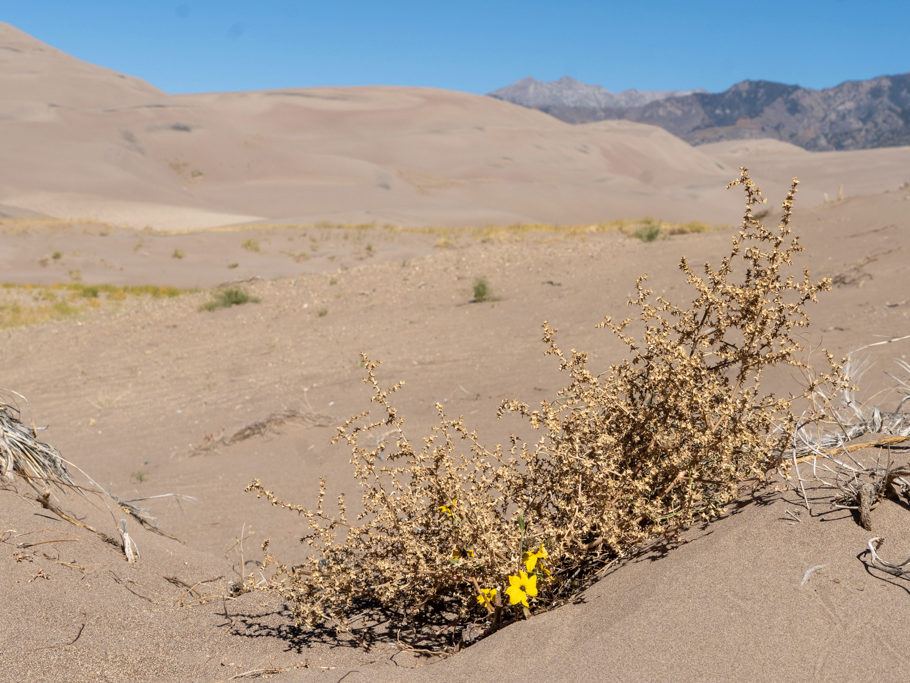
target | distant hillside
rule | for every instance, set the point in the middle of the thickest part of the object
(567, 93)
(36, 79)
(853, 115)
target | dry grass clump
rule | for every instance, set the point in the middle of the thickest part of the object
(23, 454)
(42, 467)
(456, 532)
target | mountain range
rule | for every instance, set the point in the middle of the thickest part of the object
(852, 115)
(572, 94)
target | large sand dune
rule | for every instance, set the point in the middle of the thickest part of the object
(84, 142)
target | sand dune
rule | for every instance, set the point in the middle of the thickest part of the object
(400, 155)
(37, 80)
(824, 176)
(405, 156)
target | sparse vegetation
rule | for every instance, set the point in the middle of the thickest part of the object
(648, 233)
(454, 532)
(32, 304)
(322, 312)
(482, 291)
(227, 298)
(177, 253)
(298, 256)
(649, 229)
(450, 237)
(182, 168)
(250, 244)
(15, 315)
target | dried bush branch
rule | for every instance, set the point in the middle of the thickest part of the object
(829, 449)
(901, 569)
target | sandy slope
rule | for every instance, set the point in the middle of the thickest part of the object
(825, 176)
(131, 389)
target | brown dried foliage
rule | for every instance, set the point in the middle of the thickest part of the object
(659, 441)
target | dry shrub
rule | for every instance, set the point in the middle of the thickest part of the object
(454, 531)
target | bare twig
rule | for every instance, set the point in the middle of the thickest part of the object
(258, 673)
(896, 569)
(849, 448)
(44, 499)
(50, 647)
(50, 540)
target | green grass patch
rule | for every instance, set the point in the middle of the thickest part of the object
(647, 233)
(482, 291)
(227, 298)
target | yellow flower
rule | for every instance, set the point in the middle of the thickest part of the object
(487, 596)
(530, 559)
(448, 509)
(520, 587)
(459, 554)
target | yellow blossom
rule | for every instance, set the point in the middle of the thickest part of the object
(448, 509)
(459, 554)
(530, 559)
(487, 596)
(520, 588)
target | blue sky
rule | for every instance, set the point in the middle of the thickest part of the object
(215, 45)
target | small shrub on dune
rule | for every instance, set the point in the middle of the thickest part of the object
(482, 292)
(647, 233)
(227, 298)
(454, 533)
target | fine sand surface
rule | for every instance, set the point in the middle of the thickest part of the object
(145, 394)
(131, 389)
